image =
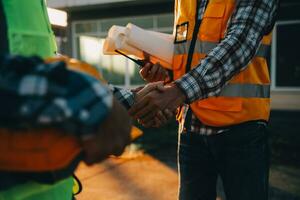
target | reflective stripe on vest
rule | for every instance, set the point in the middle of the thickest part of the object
(205, 47)
(246, 90)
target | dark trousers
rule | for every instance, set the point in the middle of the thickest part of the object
(240, 156)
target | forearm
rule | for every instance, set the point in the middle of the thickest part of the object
(244, 33)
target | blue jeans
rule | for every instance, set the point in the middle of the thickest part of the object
(240, 156)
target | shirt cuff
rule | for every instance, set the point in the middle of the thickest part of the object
(189, 85)
(125, 97)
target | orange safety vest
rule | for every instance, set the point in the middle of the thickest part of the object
(41, 150)
(247, 95)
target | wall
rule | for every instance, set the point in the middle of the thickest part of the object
(74, 3)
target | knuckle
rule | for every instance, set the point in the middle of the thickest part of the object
(155, 103)
(151, 98)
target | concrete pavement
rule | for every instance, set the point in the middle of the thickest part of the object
(139, 178)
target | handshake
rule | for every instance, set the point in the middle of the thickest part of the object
(155, 103)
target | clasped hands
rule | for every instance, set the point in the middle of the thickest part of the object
(155, 103)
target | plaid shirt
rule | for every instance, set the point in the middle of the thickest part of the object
(35, 94)
(125, 97)
(251, 20)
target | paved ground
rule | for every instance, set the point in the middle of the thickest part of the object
(140, 178)
(153, 175)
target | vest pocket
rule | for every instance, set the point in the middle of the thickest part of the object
(30, 44)
(221, 104)
(211, 25)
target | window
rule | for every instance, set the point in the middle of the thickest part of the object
(88, 38)
(285, 56)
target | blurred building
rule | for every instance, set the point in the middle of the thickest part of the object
(89, 21)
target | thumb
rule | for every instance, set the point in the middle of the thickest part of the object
(146, 56)
(148, 88)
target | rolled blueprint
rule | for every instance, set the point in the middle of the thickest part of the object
(115, 31)
(153, 44)
(136, 41)
(109, 46)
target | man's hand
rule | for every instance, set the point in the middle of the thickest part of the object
(162, 117)
(166, 98)
(141, 92)
(154, 72)
(112, 137)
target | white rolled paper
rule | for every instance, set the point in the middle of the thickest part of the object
(115, 31)
(133, 40)
(149, 42)
(109, 46)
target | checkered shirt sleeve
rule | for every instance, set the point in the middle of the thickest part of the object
(124, 96)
